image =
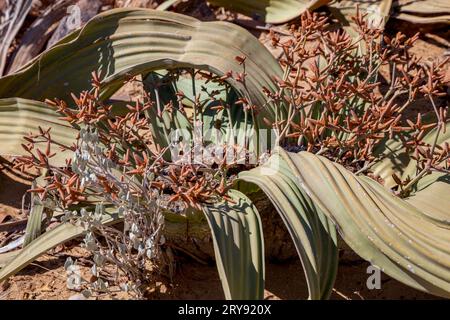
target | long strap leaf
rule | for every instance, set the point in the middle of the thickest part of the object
(397, 159)
(19, 117)
(314, 235)
(271, 11)
(238, 245)
(129, 41)
(17, 260)
(34, 225)
(401, 237)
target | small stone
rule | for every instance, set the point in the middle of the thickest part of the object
(162, 288)
(93, 278)
(46, 288)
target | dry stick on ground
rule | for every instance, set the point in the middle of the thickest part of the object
(86, 10)
(11, 226)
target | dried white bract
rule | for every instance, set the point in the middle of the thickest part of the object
(140, 239)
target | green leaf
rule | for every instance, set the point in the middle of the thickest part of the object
(424, 12)
(17, 260)
(33, 229)
(124, 42)
(407, 239)
(314, 235)
(377, 11)
(434, 201)
(34, 223)
(397, 160)
(7, 257)
(238, 245)
(19, 117)
(271, 11)
(423, 7)
(230, 126)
